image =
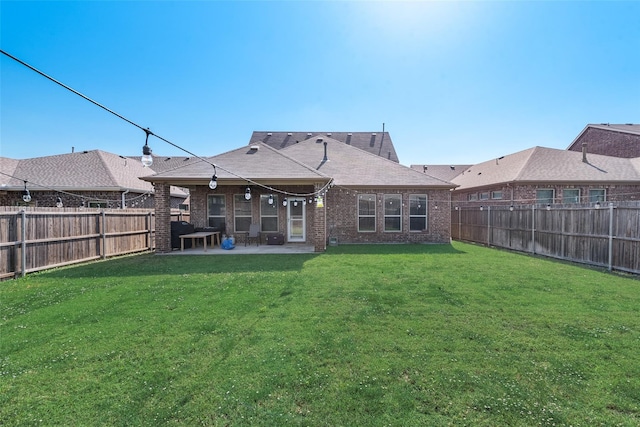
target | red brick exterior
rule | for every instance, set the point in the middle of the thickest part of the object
(163, 217)
(526, 194)
(608, 143)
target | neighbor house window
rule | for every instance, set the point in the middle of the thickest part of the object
(241, 212)
(417, 212)
(366, 212)
(597, 195)
(473, 197)
(571, 195)
(100, 205)
(545, 196)
(392, 212)
(484, 196)
(497, 195)
(268, 213)
(217, 212)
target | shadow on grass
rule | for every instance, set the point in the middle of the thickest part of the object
(394, 249)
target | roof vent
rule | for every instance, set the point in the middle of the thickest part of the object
(308, 133)
(328, 133)
(373, 134)
(349, 134)
(254, 147)
(288, 133)
(319, 140)
(269, 134)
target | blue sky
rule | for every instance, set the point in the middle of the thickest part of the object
(454, 82)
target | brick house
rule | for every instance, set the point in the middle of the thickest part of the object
(86, 178)
(542, 175)
(312, 191)
(609, 140)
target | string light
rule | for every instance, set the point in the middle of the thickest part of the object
(213, 184)
(146, 159)
(26, 196)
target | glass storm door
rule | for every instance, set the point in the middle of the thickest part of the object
(296, 221)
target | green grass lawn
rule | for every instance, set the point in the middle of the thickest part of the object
(400, 335)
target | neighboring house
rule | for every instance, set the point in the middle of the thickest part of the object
(378, 143)
(542, 175)
(609, 140)
(311, 191)
(86, 178)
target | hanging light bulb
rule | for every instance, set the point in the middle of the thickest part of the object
(59, 203)
(285, 202)
(146, 159)
(26, 196)
(548, 207)
(213, 184)
(597, 203)
(270, 200)
(247, 194)
(511, 208)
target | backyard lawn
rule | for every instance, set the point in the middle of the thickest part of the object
(398, 335)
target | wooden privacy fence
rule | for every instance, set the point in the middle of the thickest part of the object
(607, 236)
(33, 239)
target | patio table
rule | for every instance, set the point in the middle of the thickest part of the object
(200, 235)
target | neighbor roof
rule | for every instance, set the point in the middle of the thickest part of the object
(85, 170)
(629, 128)
(546, 165)
(351, 166)
(378, 143)
(257, 162)
(445, 172)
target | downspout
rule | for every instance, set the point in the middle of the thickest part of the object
(122, 206)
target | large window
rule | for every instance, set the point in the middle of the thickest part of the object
(417, 212)
(545, 196)
(571, 195)
(217, 212)
(366, 212)
(241, 212)
(597, 195)
(392, 212)
(268, 213)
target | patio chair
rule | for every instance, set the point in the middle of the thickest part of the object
(254, 233)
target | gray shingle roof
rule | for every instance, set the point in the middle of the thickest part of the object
(85, 170)
(351, 166)
(378, 143)
(546, 165)
(257, 162)
(444, 172)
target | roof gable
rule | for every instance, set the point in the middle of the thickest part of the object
(629, 128)
(350, 166)
(378, 143)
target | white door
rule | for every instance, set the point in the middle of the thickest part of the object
(295, 219)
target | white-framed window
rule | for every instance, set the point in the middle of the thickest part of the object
(217, 211)
(392, 212)
(473, 197)
(417, 212)
(241, 213)
(484, 195)
(99, 205)
(366, 213)
(268, 213)
(597, 195)
(496, 195)
(545, 196)
(571, 195)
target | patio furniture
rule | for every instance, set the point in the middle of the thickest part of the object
(215, 237)
(254, 233)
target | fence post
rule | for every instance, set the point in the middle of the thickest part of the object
(610, 236)
(23, 237)
(488, 225)
(149, 222)
(104, 234)
(533, 229)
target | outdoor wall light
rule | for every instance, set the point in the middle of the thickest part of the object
(146, 158)
(285, 202)
(59, 203)
(213, 184)
(26, 196)
(247, 194)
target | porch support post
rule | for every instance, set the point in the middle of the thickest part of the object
(320, 222)
(163, 217)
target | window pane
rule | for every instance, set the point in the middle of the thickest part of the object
(417, 224)
(496, 195)
(597, 195)
(216, 206)
(242, 212)
(571, 195)
(417, 212)
(367, 224)
(366, 204)
(242, 223)
(270, 224)
(392, 205)
(544, 196)
(392, 224)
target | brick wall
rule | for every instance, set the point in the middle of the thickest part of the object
(608, 143)
(342, 217)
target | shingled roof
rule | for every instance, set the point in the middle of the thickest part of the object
(257, 162)
(351, 166)
(378, 143)
(444, 172)
(549, 165)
